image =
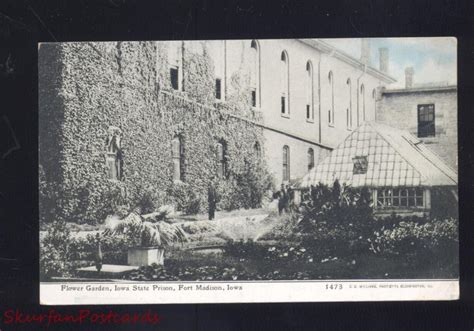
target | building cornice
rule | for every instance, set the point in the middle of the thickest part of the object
(447, 88)
(325, 48)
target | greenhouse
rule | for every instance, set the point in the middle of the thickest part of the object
(404, 176)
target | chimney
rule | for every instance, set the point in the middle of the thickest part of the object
(409, 73)
(365, 51)
(383, 59)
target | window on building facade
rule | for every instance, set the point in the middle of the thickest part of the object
(218, 89)
(309, 91)
(178, 158)
(400, 198)
(175, 64)
(362, 97)
(216, 51)
(255, 73)
(174, 73)
(257, 150)
(360, 165)
(310, 159)
(426, 121)
(349, 109)
(113, 157)
(222, 167)
(331, 101)
(374, 98)
(286, 164)
(284, 83)
(253, 96)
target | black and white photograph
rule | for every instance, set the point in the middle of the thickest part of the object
(206, 166)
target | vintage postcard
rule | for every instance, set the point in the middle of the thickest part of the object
(290, 170)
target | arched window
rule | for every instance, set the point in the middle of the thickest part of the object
(331, 101)
(255, 73)
(175, 60)
(222, 170)
(286, 163)
(362, 97)
(258, 150)
(284, 83)
(178, 158)
(113, 158)
(310, 159)
(309, 91)
(349, 109)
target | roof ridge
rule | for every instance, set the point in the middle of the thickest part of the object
(396, 149)
(425, 150)
(441, 160)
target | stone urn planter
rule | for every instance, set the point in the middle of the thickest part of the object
(143, 256)
(149, 234)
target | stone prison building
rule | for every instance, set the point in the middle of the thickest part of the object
(166, 115)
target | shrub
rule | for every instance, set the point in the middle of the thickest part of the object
(55, 251)
(184, 198)
(246, 188)
(114, 249)
(115, 202)
(414, 237)
(337, 219)
(254, 182)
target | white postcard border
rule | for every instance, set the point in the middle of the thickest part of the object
(78, 293)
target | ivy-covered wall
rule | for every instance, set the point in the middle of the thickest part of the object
(85, 88)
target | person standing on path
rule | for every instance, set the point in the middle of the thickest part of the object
(211, 199)
(282, 199)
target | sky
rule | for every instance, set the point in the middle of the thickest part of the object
(434, 58)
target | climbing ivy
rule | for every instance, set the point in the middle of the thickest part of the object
(87, 87)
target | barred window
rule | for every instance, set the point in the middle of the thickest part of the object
(349, 109)
(400, 198)
(284, 83)
(286, 163)
(309, 91)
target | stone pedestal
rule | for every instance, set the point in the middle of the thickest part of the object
(143, 256)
